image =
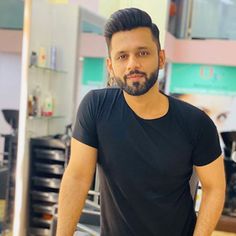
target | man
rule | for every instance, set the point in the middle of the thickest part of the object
(145, 143)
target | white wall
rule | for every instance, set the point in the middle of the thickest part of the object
(91, 5)
(158, 10)
(10, 74)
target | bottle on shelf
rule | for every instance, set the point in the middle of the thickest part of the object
(37, 101)
(42, 59)
(33, 59)
(53, 57)
(47, 108)
(30, 105)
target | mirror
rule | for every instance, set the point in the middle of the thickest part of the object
(60, 54)
(11, 23)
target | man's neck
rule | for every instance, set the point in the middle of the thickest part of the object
(150, 105)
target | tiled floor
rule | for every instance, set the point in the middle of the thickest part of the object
(219, 233)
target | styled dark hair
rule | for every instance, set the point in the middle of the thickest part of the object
(128, 19)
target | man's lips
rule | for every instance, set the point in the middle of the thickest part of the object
(135, 77)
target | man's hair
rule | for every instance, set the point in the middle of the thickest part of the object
(128, 19)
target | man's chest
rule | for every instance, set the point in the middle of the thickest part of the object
(134, 151)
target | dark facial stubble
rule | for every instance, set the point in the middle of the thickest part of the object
(137, 88)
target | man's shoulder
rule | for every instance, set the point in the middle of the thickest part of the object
(191, 119)
(102, 99)
(189, 115)
(186, 108)
(101, 94)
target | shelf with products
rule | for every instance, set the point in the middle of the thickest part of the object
(45, 117)
(47, 69)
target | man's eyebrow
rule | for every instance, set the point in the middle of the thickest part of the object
(138, 48)
(121, 52)
(143, 47)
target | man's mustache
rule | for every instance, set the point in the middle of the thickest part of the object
(135, 72)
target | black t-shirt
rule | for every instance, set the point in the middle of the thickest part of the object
(145, 165)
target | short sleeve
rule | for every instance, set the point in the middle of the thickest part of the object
(85, 125)
(207, 146)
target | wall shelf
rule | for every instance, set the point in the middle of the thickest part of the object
(47, 69)
(45, 117)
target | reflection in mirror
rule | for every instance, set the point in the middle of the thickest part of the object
(7, 168)
(91, 74)
(91, 54)
(61, 53)
(10, 73)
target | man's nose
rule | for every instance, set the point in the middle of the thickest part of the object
(133, 63)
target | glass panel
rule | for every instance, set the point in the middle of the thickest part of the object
(214, 19)
(202, 19)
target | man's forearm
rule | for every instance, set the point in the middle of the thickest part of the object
(71, 202)
(210, 211)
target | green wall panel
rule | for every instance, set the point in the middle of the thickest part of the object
(195, 78)
(93, 71)
(11, 14)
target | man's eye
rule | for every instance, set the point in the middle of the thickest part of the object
(122, 57)
(143, 53)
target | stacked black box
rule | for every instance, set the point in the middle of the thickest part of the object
(49, 157)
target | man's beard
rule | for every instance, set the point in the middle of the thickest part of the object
(139, 87)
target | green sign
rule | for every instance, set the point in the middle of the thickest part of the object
(93, 71)
(205, 79)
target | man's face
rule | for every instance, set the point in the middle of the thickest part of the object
(134, 61)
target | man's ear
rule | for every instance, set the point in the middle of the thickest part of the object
(109, 67)
(162, 59)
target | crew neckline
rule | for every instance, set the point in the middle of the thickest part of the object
(153, 119)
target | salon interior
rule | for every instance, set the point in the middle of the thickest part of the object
(47, 50)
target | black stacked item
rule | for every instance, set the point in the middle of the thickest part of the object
(229, 139)
(9, 165)
(49, 157)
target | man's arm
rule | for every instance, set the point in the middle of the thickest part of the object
(212, 178)
(75, 185)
